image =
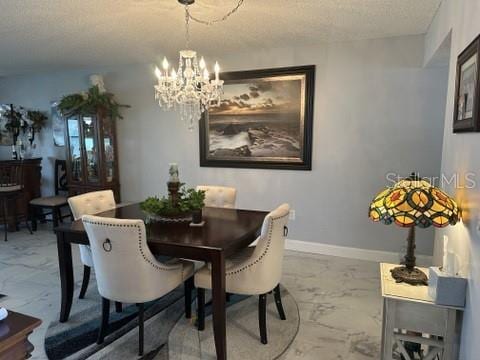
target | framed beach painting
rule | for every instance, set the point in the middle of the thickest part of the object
(264, 120)
(466, 117)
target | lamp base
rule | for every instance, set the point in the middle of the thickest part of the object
(410, 276)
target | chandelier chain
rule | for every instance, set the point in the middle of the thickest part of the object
(187, 27)
(214, 21)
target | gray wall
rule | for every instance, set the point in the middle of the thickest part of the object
(461, 155)
(377, 110)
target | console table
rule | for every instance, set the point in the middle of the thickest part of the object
(409, 314)
(14, 331)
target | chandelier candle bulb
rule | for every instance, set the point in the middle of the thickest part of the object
(202, 63)
(217, 71)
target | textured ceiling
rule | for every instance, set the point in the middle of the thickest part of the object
(42, 35)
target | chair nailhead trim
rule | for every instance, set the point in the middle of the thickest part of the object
(139, 243)
(270, 229)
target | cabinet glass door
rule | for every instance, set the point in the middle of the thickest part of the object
(109, 148)
(91, 148)
(75, 151)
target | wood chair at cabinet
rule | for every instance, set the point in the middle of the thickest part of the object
(92, 161)
(31, 178)
(11, 190)
(52, 203)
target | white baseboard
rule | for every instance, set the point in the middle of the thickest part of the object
(350, 252)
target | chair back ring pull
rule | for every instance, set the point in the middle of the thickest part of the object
(107, 245)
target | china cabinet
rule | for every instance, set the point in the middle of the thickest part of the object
(92, 161)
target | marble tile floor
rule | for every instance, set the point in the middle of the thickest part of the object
(339, 299)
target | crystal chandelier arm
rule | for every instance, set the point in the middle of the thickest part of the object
(214, 21)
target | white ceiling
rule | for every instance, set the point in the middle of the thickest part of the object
(43, 35)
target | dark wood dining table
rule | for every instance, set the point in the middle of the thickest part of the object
(225, 232)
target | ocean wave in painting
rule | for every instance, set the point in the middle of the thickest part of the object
(254, 136)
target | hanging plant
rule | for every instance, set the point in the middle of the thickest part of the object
(38, 119)
(91, 102)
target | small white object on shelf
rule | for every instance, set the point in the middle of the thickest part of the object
(445, 250)
(449, 261)
(3, 313)
(450, 266)
(200, 224)
(97, 80)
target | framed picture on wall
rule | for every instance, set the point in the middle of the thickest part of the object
(264, 120)
(58, 125)
(466, 117)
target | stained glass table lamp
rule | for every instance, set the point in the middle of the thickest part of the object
(413, 202)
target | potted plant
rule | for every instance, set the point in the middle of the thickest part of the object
(14, 122)
(38, 120)
(196, 202)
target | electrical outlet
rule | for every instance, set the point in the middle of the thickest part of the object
(292, 215)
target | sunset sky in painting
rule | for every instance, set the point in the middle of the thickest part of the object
(253, 97)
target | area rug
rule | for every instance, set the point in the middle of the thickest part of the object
(168, 335)
(243, 335)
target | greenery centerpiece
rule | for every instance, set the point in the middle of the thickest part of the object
(166, 209)
(181, 205)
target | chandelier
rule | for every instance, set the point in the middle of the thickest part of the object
(190, 88)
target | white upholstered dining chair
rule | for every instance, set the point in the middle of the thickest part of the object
(219, 196)
(89, 204)
(127, 272)
(254, 270)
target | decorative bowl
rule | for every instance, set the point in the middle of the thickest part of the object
(174, 219)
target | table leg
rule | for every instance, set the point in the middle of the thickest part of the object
(218, 299)
(451, 346)
(389, 326)
(384, 313)
(66, 275)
